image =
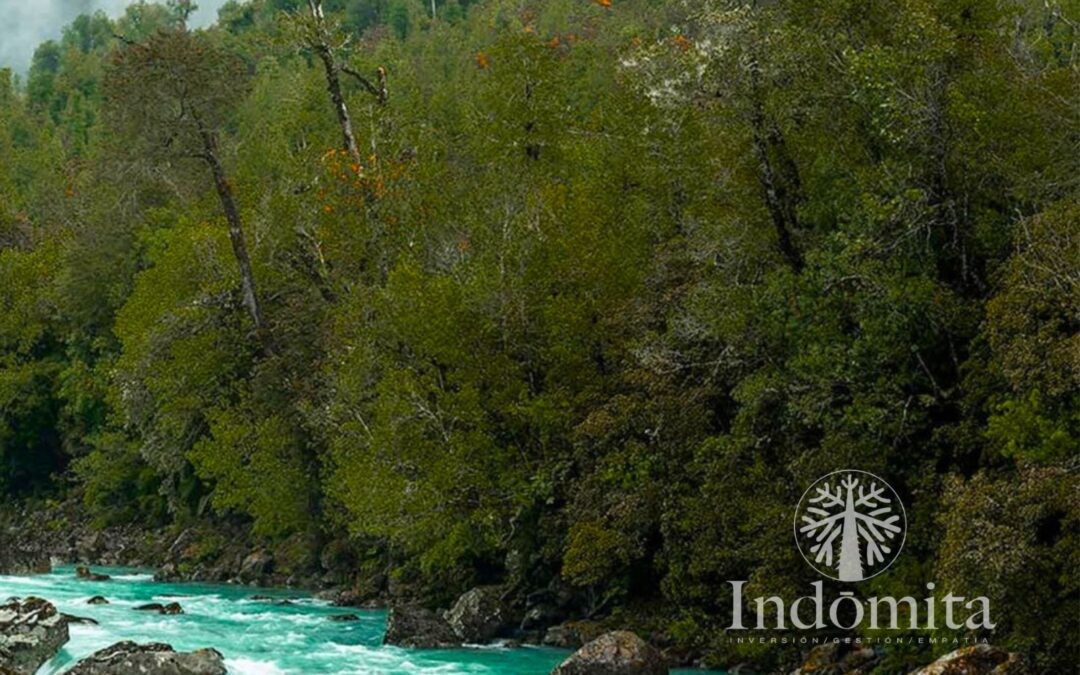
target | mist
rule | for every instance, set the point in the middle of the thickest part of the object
(24, 24)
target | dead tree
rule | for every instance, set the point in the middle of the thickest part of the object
(323, 38)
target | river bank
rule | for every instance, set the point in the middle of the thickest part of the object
(33, 534)
(276, 631)
(264, 633)
(267, 616)
(35, 537)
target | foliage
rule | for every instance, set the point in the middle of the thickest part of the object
(603, 288)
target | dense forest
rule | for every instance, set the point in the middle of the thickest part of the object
(585, 291)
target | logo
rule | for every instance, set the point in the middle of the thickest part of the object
(850, 525)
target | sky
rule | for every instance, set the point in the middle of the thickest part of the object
(26, 23)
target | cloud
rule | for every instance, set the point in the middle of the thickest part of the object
(24, 24)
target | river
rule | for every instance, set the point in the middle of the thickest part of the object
(288, 633)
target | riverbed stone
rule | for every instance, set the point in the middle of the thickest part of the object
(411, 626)
(97, 600)
(572, 634)
(980, 659)
(31, 633)
(127, 657)
(614, 653)
(86, 574)
(170, 608)
(562, 636)
(341, 618)
(344, 598)
(479, 614)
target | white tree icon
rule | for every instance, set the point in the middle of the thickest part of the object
(856, 518)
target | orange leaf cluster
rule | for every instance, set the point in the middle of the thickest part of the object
(352, 185)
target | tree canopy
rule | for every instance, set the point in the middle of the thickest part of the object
(577, 292)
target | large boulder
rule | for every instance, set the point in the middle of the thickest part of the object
(572, 634)
(616, 653)
(409, 626)
(255, 567)
(31, 632)
(341, 597)
(150, 659)
(980, 659)
(86, 574)
(562, 636)
(479, 614)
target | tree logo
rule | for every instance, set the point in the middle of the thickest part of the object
(850, 525)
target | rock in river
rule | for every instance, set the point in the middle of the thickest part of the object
(479, 615)
(83, 572)
(171, 608)
(31, 632)
(97, 600)
(150, 659)
(615, 653)
(409, 626)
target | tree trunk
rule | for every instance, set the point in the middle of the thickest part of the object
(777, 201)
(333, 79)
(236, 232)
(333, 84)
(782, 189)
(850, 556)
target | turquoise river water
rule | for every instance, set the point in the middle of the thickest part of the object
(289, 633)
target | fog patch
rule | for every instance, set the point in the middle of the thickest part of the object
(24, 24)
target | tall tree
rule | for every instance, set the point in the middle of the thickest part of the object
(171, 96)
(323, 37)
